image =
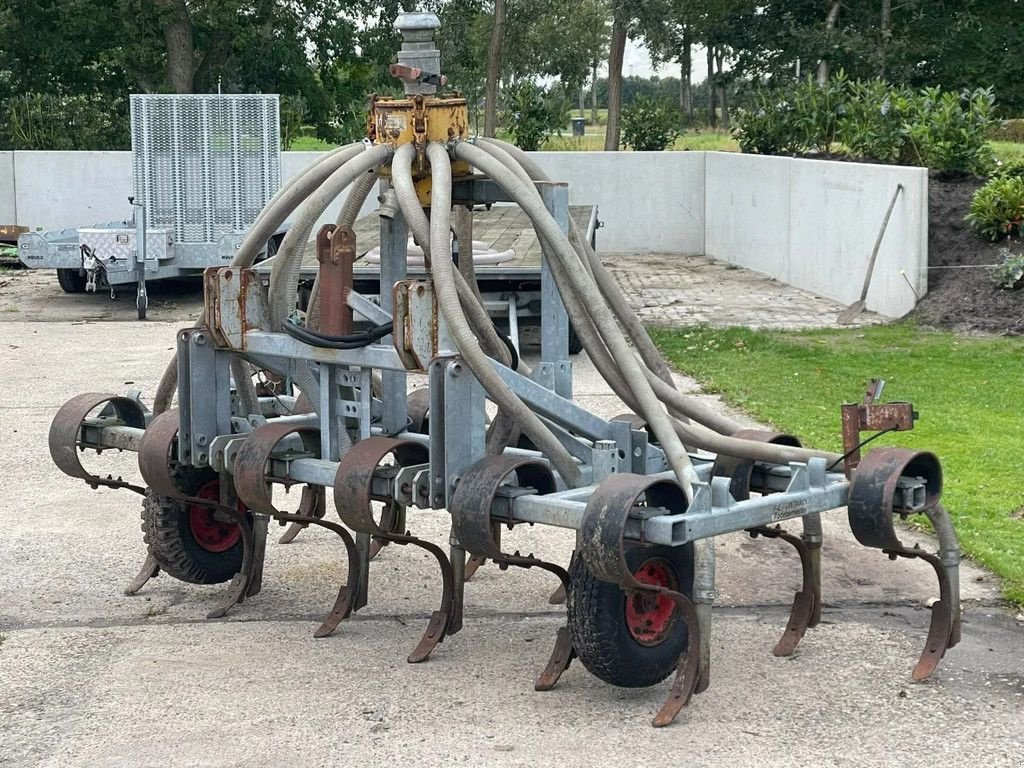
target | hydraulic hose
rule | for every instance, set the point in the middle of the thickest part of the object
(503, 431)
(408, 202)
(712, 429)
(609, 288)
(650, 407)
(267, 223)
(448, 301)
(284, 276)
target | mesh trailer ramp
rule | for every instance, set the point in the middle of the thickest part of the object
(203, 167)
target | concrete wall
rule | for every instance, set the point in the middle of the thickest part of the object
(8, 198)
(813, 224)
(68, 189)
(648, 201)
(809, 223)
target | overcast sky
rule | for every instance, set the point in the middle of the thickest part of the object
(638, 62)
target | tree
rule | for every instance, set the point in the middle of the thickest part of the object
(617, 51)
(494, 68)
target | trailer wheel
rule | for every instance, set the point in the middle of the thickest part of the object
(189, 541)
(631, 641)
(71, 280)
(575, 344)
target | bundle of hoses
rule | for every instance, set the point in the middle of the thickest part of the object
(626, 357)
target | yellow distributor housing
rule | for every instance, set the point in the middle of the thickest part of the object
(418, 120)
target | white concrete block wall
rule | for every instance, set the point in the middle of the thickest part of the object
(837, 213)
(8, 196)
(813, 224)
(809, 223)
(648, 201)
(72, 189)
(747, 211)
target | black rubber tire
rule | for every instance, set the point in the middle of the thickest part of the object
(166, 531)
(71, 280)
(597, 622)
(575, 345)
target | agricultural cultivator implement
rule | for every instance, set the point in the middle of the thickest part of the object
(646, 492)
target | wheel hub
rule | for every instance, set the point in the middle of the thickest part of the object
(650, 615)
(209, 529)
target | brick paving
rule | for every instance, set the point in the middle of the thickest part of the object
(673, 289)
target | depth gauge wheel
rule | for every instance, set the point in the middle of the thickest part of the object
(71, 280)
(192, 542)
(631, 641)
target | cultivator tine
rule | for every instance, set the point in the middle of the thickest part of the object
(802, 614)
(313, 505)
(806, 610)
(688, 675)
(601, 544)
(871, 508)
(473, 564)
(346, 594)
(66, 433)
(354, 493)
(558, 597)
(150, 570)
(242, 582)
(255, 490)
(478, 532)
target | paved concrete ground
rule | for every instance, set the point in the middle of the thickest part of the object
(89, 676)
(666, 289)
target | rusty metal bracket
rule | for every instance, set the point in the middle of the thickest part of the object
(806, 609)
(66, 428)
(479, 534)
(353, 497)
(336, 252)
(602, 547)
(871, 417)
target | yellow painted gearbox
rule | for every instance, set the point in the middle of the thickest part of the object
(418, 120)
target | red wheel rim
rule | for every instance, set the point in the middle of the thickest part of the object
(209, 531)
(650, 616)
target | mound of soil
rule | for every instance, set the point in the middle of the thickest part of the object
(964, 299)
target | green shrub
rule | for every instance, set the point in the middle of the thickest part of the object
(1011, 169)
(534, 114)
(53, 122)
(818, 110)
(770, 127)
(1010, 273)
(997, 209)
(873, 120)
(948, 131)
(649, 125)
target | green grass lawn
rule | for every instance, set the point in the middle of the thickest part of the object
(967, 390)
(593, 141)
(1008, 151)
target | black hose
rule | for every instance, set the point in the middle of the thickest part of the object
(354, 341)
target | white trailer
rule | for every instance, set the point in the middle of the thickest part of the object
(203, 167)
